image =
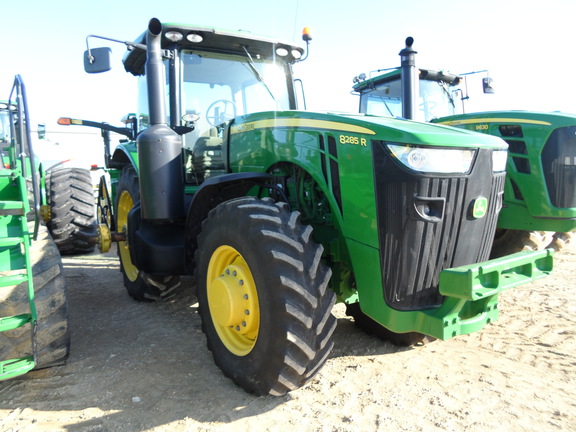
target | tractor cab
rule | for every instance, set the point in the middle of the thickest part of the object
(438, 94)
(213, 77)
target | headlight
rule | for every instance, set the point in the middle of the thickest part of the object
(433, 160)
(499, 158)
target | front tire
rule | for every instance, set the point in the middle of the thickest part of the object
(140, 285)
(263, 295)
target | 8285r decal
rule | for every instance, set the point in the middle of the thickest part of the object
(354, 140)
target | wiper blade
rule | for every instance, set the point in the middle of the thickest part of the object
(256, 72)
(450, 98)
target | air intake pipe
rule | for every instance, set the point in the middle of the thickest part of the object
(159, 147)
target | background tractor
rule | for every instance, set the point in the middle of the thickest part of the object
(33, 298)
(539, 208)
(280, 212)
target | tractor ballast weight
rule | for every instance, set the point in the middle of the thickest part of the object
(287, 211)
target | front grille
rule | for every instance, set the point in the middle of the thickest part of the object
(414, 251)
(559, 165)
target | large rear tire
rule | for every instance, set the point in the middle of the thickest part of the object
(52, 336)
(72, 206)
(263, 295)
(140, 285)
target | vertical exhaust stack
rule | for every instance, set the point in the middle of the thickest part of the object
(409, 80)
(159, 147)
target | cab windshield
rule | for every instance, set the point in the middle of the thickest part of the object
(436, 100)
(218, 88)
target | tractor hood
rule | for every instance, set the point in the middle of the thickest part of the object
(373, 127)
(555, 119)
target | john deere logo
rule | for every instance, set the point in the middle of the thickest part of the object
(480, 207)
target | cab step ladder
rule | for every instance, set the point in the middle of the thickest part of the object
(15, 265)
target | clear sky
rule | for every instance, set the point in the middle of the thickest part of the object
(528, 47)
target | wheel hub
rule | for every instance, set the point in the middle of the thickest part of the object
(233, 300)
(230, 300)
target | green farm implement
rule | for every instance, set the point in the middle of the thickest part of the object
(33, 301)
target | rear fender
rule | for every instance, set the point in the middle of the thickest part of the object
(125, 154)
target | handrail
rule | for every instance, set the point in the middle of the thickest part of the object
(24, 143)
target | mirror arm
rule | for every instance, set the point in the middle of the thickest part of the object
(127, 43)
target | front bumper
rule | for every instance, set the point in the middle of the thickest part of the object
(471, 291)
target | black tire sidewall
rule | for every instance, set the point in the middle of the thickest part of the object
(128, 182)
(73, 221)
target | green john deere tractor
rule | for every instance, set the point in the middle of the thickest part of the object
(281, 212)
(539, 208)
(33, 301)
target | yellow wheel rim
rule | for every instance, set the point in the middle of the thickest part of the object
(233, 300)
(125, 204)
(104, 238)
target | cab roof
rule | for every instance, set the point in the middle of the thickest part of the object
(212, 40)
(394, 75)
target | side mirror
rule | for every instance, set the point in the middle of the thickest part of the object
(487, 85)
(98, 60)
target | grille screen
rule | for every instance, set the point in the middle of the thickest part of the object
(559, 164)
(414, 250)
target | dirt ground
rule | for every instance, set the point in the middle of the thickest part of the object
(145, 367)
